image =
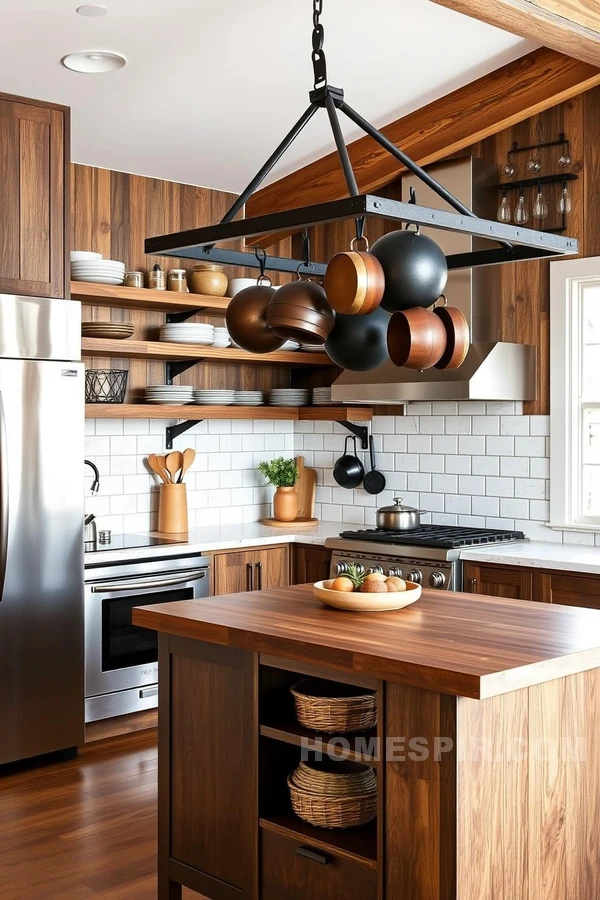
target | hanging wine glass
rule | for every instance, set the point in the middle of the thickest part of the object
(504, 210)
(540, 207)
(564, 201)
(521, 211)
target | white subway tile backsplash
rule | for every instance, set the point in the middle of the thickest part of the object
(539, 425)
(445, 443)
(499, 487)
(458, 465)
(485, 506)
(432, 502)
(514, 508)
(500, 446)
(395, 443)
(97, 446)
(514, 466)
(418, 443)
(534, 488)
(485, 465)
(109, 426)
(502, 523)
(407, 425)
(502, 408)
(418, 481)
(539, 510)
(406, 462)
(444, 484)
(458, 504)
(457, 425)
(485, 425)
(432, 462)
(432, 425)
(471, 484)
(530, 446)
(219, 426)
(123, 465)
(471, 445)
(471, 408)
(447, 408)
(512, 425)
(419, 409)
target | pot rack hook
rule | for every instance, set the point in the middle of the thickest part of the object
(261, 256)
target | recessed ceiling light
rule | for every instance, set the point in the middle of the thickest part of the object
(94, 61)
(94, 10)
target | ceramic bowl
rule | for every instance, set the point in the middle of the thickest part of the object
(366, 602)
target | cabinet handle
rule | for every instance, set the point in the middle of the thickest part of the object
(312, 854)
(473, 584)
(259, 576)
(249, 577)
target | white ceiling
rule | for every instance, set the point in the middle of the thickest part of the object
(211, 87)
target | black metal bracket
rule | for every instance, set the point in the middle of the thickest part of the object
(173, 369)
(361, 432)
(173, 431)
(535, 181)
(320, 94)
(184, 315)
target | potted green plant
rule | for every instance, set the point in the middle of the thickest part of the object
(282, 474)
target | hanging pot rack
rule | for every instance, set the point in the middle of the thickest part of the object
(515, 243)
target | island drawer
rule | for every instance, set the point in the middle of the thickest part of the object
(297, 870)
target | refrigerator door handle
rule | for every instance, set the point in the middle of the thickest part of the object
(3, 498)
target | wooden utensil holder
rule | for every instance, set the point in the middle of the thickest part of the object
(172, 509)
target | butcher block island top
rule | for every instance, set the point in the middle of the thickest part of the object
(462, 644)
(483, 757)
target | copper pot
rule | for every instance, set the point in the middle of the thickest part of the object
(354, 282)
(300, 311)
(457, 336)
(416, 338)
(246, 320)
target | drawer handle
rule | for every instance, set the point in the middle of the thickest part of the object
(312, 854)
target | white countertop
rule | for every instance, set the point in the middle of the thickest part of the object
(538, 555)
(227, 537)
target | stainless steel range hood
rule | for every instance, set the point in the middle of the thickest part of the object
(493, 370)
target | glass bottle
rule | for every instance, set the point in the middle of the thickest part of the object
(564, 201)
(540, 207)
(504, 211)
(521, 211)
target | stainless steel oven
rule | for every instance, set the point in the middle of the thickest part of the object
(121, 659)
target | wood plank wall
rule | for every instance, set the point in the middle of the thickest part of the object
(112, 213)
(524, 293)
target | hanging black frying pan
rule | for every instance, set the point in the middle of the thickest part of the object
(374, 481)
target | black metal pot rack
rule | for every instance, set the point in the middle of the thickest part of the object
(174, 431)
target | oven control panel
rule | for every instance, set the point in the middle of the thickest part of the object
(437, 574)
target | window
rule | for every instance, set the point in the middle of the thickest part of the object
(575, 394)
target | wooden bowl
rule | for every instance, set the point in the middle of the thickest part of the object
(246, 320)
(366, 602)
(354, 283)
(457, 337)
(416, 338)
(300, 311)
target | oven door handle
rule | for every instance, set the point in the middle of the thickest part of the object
(185, 578)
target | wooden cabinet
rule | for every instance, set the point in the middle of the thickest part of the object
(310, 563)
(293, 869)
(567, 589)
(498, 581)
(252, 570)
(34, 172)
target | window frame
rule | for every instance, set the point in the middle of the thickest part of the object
(567, 280)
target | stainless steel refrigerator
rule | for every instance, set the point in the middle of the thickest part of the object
(41, 526)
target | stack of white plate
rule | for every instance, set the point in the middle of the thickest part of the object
(214, 398)
(290, 345)
(249, 398)
(321, 396)
(88, 266)
(313, 348)
(288, 397)
(175, 394)
(188, 333)
(222, 338)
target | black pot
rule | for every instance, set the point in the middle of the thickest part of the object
(348, 470)
(415, 269)
(359, 343)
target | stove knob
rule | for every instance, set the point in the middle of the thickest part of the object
(415, 575)
(360, 568)
(340, 568)
(375, 569)
(437, 580)
(395, 572)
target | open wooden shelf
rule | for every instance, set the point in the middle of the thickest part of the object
(292, 732)
(121, 297)
(166, 351)
(192, 412)
(359, 843)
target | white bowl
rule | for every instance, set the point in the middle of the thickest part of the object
(366, 602)
(78, 255)
(238, 284)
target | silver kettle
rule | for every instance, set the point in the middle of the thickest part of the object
(90, 533)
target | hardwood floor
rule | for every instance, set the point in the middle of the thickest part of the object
(85, 828)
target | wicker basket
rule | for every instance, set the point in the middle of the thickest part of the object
(330, 707)
(332, 812)
(334, 778)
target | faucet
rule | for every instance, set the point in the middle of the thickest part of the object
(96, 482)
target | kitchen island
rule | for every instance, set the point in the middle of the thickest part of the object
(485, 748)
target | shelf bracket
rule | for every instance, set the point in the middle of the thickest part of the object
(361, 432)
(184, 315)
(173, 369)
(173, 431)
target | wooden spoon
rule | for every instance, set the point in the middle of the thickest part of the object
(173, 463)
(189, 456)
(155, 464)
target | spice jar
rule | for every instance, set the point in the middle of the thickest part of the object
(177, 280)
(134, 279)
(210, 279)
(156, 278)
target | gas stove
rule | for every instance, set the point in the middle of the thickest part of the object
(428, 555)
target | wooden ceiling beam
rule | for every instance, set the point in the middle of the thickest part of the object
(569, 26)
(503, 98)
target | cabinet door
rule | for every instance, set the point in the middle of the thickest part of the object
(568, 589)
(34, 159)
(272, 567)
(234, 572)
(498, 581)
(310, 564)
(213, 767)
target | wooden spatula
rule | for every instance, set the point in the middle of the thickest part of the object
(189, 456)
(155, 464)
(173, 463)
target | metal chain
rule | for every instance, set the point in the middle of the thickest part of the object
(318, 38)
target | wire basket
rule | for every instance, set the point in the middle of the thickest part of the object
(329, 707)
(105, 385)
